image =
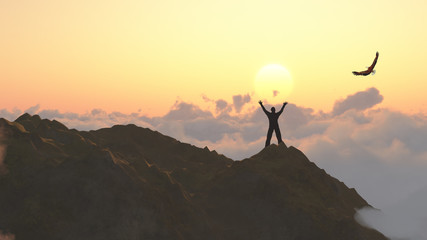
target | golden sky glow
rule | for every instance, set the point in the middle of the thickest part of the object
(124, 55)
(273, 83)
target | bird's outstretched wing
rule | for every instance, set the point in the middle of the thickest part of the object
(370, 68)
(364, 73)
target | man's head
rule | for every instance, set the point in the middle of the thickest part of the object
(273, 110)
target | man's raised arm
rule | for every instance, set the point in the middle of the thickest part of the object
(281, 110)
(262, 106)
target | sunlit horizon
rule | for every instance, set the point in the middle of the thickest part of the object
(128, 56)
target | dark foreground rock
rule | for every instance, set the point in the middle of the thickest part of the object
(128, 182)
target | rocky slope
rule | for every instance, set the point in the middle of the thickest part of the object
(128, 182)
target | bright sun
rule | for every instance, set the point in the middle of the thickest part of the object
(273, 83)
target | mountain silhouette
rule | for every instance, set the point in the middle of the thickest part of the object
(129, 182)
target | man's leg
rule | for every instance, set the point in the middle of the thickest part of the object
(278, 135)
(269, 134)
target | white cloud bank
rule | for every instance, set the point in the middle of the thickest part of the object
(380, 152)
(406, 219)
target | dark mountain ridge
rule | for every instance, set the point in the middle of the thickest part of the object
(128, 182)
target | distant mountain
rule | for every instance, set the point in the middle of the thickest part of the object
(128, 182)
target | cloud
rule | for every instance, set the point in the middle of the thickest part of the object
(221, 105)
(403, 220)
(275, 93)
(240, 100)
(11, 115)
(378, 151)
(32, 110)
(206, 99)
(97, 111)
(358, 101)
(186, 111)
(208, 129)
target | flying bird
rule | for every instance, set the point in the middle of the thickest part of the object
(369, 70)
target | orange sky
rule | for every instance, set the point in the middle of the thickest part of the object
(130, 55)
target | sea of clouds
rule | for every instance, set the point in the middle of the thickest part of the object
(380, 152)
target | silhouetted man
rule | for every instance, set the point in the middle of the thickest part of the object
(273, 123)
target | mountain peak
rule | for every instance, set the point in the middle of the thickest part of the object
(28, 117)
(35, 122)
(12, 126)
(272, 149)
(274, 194)
(129, 182)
